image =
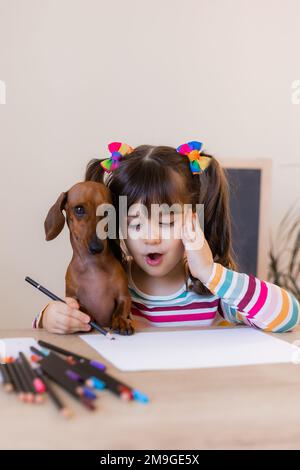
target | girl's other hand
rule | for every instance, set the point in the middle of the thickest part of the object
(199, 255)
(65, 318)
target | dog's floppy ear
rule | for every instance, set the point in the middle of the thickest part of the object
(55, 220)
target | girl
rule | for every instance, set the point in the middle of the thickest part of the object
(186, 280)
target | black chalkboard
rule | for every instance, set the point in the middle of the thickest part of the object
(245, 192)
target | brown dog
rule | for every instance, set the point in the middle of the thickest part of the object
(94, 277)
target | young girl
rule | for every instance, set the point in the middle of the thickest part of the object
(186, 280)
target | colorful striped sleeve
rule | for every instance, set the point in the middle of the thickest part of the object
(246, 299)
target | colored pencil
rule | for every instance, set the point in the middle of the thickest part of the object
(63, 409)
(12, 378)
(36, 384)
(17, 381)
(27, 385)
(67, 353)
(6, 379)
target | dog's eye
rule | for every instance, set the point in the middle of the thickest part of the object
(79, 210)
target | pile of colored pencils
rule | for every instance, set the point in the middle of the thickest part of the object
(79, 376)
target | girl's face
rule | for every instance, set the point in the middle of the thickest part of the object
(154, 242)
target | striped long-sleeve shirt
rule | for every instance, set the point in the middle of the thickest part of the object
(237, 297)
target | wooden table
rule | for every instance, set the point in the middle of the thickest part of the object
(235, 407)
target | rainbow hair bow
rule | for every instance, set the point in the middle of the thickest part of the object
(198, 163)
(117, 150)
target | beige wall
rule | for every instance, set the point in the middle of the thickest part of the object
(82, 73)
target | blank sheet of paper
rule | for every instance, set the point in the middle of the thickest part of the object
(12, 346)
(192, 349)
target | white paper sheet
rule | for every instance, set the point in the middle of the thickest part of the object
(12, 346)
(192, 349)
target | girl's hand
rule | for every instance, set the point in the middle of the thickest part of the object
(199, 255)
(64, 318)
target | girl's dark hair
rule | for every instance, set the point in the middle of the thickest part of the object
(159, 174)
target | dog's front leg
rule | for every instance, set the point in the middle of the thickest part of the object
(122, 322)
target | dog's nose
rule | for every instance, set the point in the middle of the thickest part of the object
(95, 246)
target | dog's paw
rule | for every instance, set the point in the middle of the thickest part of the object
(122, 326)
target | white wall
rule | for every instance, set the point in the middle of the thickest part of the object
(82, 73)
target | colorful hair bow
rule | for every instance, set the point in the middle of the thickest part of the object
(117, 150)
(198, 163)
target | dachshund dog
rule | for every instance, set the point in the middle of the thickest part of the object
(95, 277)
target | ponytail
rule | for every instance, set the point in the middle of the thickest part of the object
(94, 171)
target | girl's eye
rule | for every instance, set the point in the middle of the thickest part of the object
(79, 211)
(166, 223)
(136, 227)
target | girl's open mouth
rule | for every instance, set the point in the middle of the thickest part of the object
(153, 259)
